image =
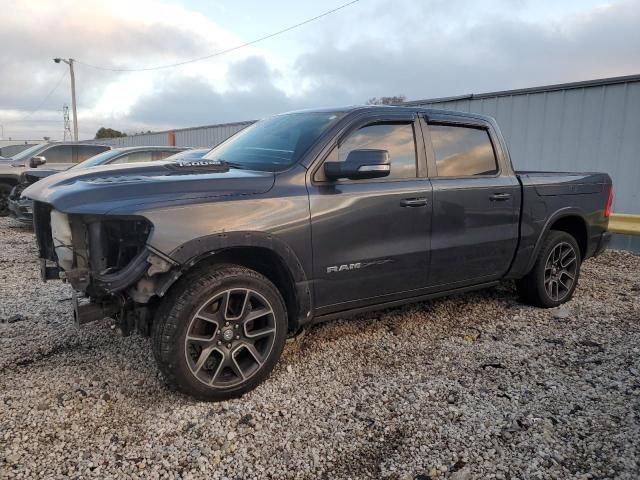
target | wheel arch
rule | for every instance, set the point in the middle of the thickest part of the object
(576, 226)
(570, 220)
(264, 253)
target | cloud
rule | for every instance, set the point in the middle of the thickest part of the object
(418, 49)
(185, 101)
(115, 33)
(252, 94)
(498, 53)
(92, 31)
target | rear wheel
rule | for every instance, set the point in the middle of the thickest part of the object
(219, 333)
(554, 276)
(5, 190)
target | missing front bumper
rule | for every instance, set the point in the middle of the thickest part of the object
(85, 311)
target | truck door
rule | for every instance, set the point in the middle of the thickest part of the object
(371, 237)
(476, 200)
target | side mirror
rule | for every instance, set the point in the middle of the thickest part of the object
(360, 164)
(36, 161)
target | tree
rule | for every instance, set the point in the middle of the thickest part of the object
(386, 100)
(109, 133)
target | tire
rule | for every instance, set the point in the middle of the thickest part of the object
(5, 190)
(219, 332)
(563, 269)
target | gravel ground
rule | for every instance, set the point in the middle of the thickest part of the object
(469, 387)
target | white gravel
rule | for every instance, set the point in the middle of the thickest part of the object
(469, 387)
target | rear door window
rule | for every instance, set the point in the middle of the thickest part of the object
(462, 151)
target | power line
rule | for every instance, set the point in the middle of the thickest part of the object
(30, 130)
(221, 52)
(34, 121)
(64, 74)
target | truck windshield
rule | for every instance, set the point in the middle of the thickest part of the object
(99, 159)
(276, 143)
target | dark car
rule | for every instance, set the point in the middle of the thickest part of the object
(305, 217)
(21, 208)
(57, 155)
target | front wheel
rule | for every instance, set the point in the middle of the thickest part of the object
(554, 276)
(219, 333)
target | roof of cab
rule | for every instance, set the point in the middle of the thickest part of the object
(382, 108)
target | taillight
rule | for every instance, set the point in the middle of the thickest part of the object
(607, 208)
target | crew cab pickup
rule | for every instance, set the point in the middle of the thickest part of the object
(308, 216)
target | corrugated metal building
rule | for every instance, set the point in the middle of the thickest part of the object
(582, 126)
(206, 136)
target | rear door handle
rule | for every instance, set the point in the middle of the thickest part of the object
(499, 197)
(413, 202)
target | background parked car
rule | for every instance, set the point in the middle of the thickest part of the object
(57, 156)
(20, 208)
(131, 155)
(193, 154)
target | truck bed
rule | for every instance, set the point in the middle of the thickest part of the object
(549, 196)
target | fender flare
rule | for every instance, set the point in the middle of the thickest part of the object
(193, 251)
(557, 215)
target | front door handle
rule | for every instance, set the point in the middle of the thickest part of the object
(499, 197)
(413, 202)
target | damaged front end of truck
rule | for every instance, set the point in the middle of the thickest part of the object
(108, 263)
(95, 230)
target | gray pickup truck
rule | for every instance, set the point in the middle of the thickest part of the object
(20, 208)
(57, 156)
(305, 217)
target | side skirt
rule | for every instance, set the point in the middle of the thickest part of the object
(396, 303)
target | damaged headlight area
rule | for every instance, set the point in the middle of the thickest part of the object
(106, 260)
(99, 254)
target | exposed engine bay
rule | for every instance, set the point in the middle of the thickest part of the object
(107, 262)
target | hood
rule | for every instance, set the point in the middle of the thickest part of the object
(35, 174)
(99, 190)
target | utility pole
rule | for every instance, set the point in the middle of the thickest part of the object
(73, 94)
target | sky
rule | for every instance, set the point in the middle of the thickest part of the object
(416, 48)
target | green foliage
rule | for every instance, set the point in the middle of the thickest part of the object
(109, 133)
